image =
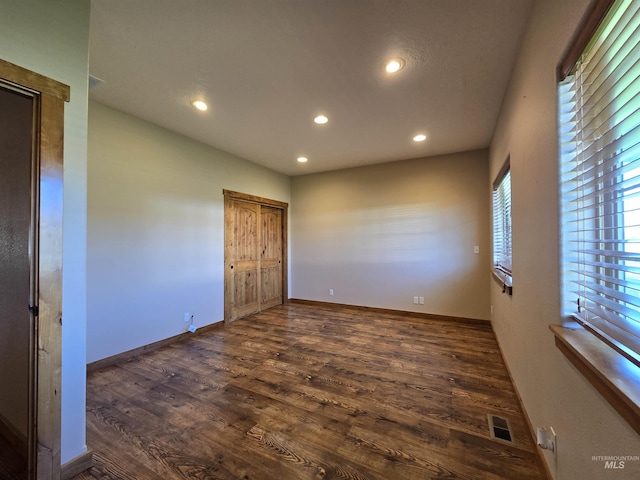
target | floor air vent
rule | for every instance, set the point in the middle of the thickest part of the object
(499, 428)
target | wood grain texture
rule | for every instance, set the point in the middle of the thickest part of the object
(49, 370)
(612, 374)
(255, 254)
(243, 258)
(124, 356)
(50, 95)
(388, 311)
(270, 257)
(246, 197)
(35, 82)
(306, 392)
(76, 465)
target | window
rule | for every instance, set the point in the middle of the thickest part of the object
(600, 182)
(502, 228)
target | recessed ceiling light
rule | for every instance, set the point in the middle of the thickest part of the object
(420, 138)
(200, 105)
(302, 159)
(394, 65)
(321, 119)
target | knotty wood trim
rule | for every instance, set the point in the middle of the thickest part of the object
(49, 368)
(245, 197)
(587, 28)
(285, 253)
(45, 413)
(388, 311)
(532, 431)
(607, 370)
(33, 81)
(121, 357)
(77, 465)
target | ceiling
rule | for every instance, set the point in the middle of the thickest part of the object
(266, 68)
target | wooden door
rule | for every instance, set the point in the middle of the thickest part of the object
(270, 257)
(17, 269)
(32, 120)
(244, 258)
(255, 254)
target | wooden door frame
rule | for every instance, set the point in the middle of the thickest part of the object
(229, 196)
(44, 439)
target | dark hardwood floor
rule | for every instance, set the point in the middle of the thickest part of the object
(311, 392)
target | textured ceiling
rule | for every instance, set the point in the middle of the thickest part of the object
(267, 67)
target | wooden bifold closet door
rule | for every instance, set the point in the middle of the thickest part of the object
(255, 254)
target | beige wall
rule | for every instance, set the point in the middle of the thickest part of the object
(380, 235)
(156, 229)
(554, 393)
(52, 38)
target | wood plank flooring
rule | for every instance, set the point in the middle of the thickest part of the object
(311, 392)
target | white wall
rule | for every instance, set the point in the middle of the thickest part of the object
(156, 229)
(51, 38)
(380, 235)
(553, 391)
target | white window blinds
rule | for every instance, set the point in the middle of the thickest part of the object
(600, 182)
(502, 223)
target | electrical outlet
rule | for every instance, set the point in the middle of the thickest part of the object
(331, 292)
(547, 439)
(415, 300)
(421, 300)
(476, 249)
(187, 317)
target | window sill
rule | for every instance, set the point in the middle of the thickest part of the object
(503, 279)
(613, 375)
